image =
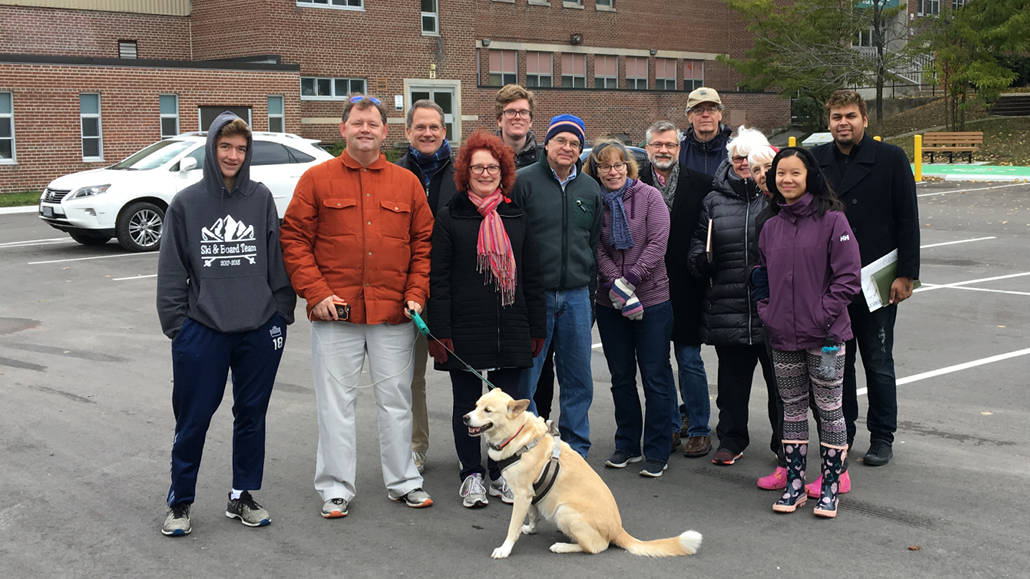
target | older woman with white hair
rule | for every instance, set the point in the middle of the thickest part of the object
(723, 251)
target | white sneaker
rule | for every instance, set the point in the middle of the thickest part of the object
(472, 492)
(500, 488)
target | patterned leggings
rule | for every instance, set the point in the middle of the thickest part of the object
(796, 376)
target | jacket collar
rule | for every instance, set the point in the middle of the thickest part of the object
(801, 208)
(349, 162)
(860, 165)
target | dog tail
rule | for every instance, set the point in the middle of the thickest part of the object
(685, 544)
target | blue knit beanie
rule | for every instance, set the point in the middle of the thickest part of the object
(566, 124)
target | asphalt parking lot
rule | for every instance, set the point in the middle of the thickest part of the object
(86, 429)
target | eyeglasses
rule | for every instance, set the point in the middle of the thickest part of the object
(360, 97)
(710, 109)
(619, 167)
(738, 160)
(660, 146)
(512, 113)
(491, 170)
(563, 142)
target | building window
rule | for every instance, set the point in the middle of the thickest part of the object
(665, 73)
(313, 88)
(574, 70)
(540, 2)
(503, 67)
(929, 7)
(572, 3)
(430, 17)
(169, 115)
(275, 114)
(127, 49)
(693, 74)
(539, 69)
(89, 119)
(6, 128)
(636, 72)
(605, 4)
(606, 71)
(346, 4)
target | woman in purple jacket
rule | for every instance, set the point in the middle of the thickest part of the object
(634, 314)
(812, 260)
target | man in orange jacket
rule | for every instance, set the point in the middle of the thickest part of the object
(356, 240)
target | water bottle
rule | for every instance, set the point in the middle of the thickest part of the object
(828, 361)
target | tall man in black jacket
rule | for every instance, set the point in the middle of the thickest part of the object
(683, 189)
(874, 180)
(429, 158)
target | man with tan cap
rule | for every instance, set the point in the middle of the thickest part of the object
(704, 144)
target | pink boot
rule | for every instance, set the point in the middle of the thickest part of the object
(776, 481)
(815, 488)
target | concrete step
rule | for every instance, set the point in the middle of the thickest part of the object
(1012, 104)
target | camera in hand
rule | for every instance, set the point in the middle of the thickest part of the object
(342, 310)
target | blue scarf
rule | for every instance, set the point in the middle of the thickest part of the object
(430, 164)
(620, 236)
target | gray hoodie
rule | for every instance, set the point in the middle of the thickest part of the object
(220, 263)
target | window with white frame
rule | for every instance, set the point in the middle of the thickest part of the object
(929, 7)
(504, 68)
(665, 73)
(169, 105)
(693, 74)
(127, 49)
(347, 4)
(572, 3)
(574, 70)
(606, 71)
(430, 17)
(6, 128)
(636, 72)
(318, 88)
(539, 69)
(89, 120)
(276, 124)
(605, 4)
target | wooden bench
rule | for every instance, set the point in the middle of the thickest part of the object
(966, 142)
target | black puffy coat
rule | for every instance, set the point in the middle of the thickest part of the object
(464, 309)
(728, 316)
(686, 292)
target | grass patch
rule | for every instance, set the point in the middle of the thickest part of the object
(19, 199)
(1006, 141)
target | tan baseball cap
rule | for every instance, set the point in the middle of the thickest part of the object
(703, 95)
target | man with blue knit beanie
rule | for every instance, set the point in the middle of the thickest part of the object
(564, 208)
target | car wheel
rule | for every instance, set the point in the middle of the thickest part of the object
(139, 226)
(90, 238)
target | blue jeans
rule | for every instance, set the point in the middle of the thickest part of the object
(568, 326)
(874, 334)
(694, 390)
(628, 344)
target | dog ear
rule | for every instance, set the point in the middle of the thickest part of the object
(516, 407)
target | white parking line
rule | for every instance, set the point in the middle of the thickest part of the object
(134, 277)
(968, 190)
(931, 287)
(153, 253)
(957, 368)
(986, 290)
(956, 242)
(31, 242)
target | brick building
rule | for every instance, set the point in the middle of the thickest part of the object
(85, 88)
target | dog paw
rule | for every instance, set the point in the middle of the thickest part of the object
(501, 552)
(528, 529)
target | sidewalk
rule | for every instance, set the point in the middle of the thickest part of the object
(974, 172)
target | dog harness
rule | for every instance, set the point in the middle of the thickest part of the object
(543, 483)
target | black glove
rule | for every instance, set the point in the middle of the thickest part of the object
(759, 283)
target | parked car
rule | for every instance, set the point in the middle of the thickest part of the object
(639, 154)
(128, 199)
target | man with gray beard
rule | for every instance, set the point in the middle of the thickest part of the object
(683, 189)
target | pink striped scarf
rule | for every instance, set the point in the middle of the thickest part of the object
(496, 260)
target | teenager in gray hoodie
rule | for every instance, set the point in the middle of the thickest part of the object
(224, 299)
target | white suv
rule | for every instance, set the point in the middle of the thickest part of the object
(128, 200)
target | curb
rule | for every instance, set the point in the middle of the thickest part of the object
(22, 209)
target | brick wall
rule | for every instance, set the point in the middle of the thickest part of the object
(46, 110)
(90, 33)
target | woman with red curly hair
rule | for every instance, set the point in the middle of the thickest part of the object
(486, 304)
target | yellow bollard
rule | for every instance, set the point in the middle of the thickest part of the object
(792, 141)
(917, 153)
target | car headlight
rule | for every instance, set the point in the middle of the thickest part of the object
(88, 191)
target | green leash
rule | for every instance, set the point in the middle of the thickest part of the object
(424, 330)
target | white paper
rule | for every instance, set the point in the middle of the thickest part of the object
(872, 296)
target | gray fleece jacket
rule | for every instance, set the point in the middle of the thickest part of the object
(220, 263)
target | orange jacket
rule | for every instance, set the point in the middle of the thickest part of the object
(362, 233)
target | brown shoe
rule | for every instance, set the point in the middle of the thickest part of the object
(697, 446)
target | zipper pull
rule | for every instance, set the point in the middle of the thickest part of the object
(579, 203)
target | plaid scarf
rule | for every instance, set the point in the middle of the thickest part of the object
(430, 164)
(496, 260)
